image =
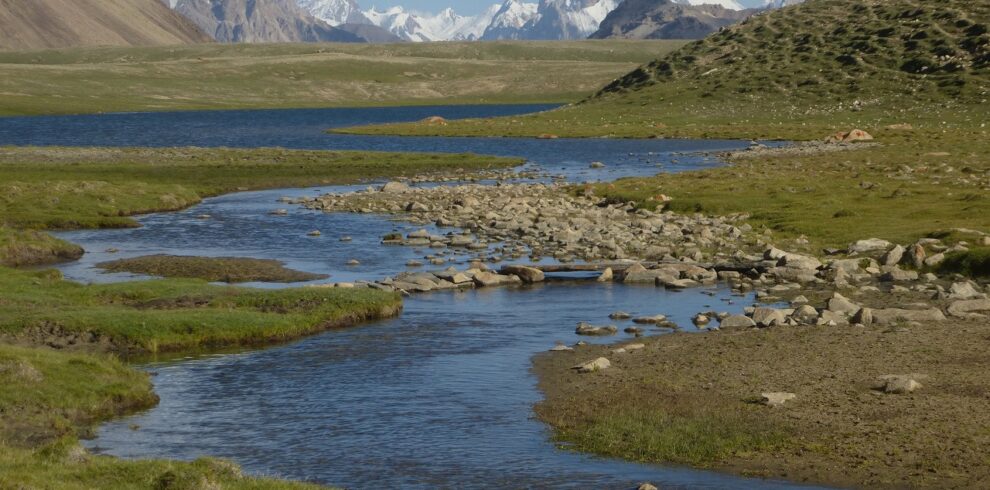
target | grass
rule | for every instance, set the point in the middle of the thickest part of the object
(49, 398)
(213, 269)
(219, 76)
(173, 315)
(30, 247)
(652, 434)
(973, 263)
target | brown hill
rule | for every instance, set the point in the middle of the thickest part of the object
(260, 21)
(41, 24)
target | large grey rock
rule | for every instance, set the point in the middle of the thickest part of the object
(737, 321)
(841, 304)
(592, 366)
(395, 187)
(890, 316)
(805, 314)
(893, 256)
(589, 329)
(973, 308)
(869, 245)
(964, 290)
(896, 274)
(529, 275)
(897, 384)
(768, 317)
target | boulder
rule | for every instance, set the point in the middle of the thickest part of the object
(737, 321)
(768, 317)
(896, 274)
(488, 279)
(891, 316)
(964, 290)
(592, 366)
(869, 245)
(395, 187)
(805, 314)
(893, 256)
(917, 255)
(863, 317)
(589, 329)
(777, 399)
(620, 315)
(606, 275)
(897, 384)
(841, 304)
(529, 275)
(645, 320)
(969, 308)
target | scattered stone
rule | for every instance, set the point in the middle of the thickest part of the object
(701, 319)
(633, 330)
(891, 316)
(560, 348)
(314, 233)
(897, 274)
(620, 315)
(647, 320)
(395, 187)
(592, 366)
(597, 165)
(897, 384)
(606, 276)
(529, 275)
(893, 256)
(353, 262)
(777, 399)
(768, 317)
(805, 315)
(841, 304)
(280, 212)
(591, 330)
(346, 239)
(970, 308)
(737, 321)
(646, 486)
(869, 245)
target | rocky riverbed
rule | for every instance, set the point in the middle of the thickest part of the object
(870, 282)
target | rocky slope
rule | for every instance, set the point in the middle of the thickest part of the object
(666, 19)
(40, 24)
(260, 21)
(559, 19)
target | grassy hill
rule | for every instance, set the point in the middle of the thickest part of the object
(793, 73)
(40, 24)
(224, 76)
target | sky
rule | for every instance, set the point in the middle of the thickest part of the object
(463, 7)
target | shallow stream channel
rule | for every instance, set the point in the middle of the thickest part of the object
(440, 397)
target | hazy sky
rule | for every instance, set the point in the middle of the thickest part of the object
(465, 7)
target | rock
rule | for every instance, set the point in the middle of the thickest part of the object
(414, 263)
(434, 121)
(597, 165)
(798, 261)
(897, 274)
(701, 319)
(620, 315)
(560, 348)
(805, 315)
(606, 276)
(529, 275)
(645, 320)
(832, 318)
(633, 330)
(863, 317)
(841, 304)
(592, 366)
(893, 256)
(799, 300)
(897, 384)
(869, 245)
(964, 290)
(891, 316)
(346, 239)
(415, 207)
(935, 260)
(847, 265)
(420, 234)
(589, 329)
(646, 486)
(488, 279)
(280, 212)
(634, 347)
(737, 321)
(394, 187)
(917, 255)
(353, 262)
(777, 399)
(314, 233)
(669, 283)
(768, 317)
(969, 308)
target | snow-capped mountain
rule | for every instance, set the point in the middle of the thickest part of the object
(779, 4)
(509, 18)
(335, 12)
(729, 4)
(553, 19)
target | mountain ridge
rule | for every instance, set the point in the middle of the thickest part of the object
(44, 24)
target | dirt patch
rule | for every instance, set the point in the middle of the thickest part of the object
(214, 269)
(839, 430)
